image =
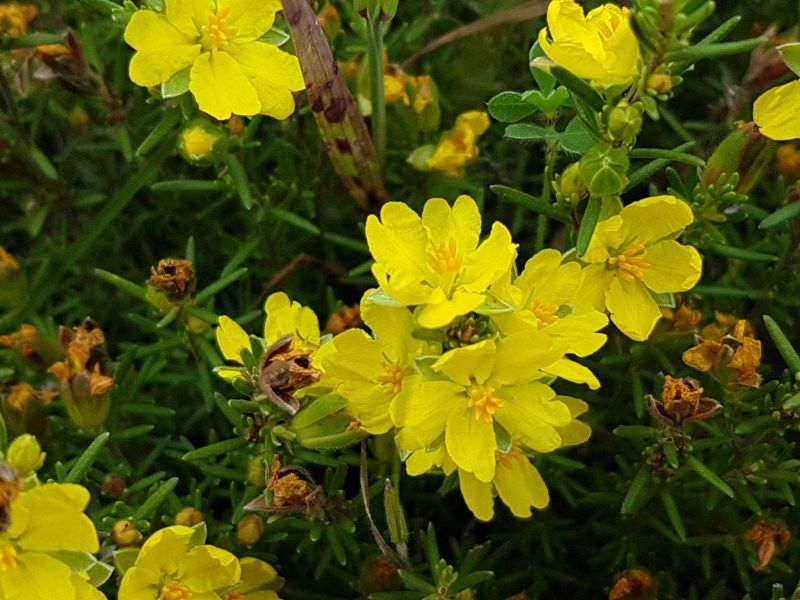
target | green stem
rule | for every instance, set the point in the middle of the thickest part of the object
(551, 155)
(375, 60)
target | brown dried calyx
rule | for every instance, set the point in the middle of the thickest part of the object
(769, 538)
(682, 402)
(175, 277)
(635, 584)
(285, 370)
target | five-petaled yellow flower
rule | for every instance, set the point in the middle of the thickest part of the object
(259, 581)
(478, 385)
(435, 262)
(174, 565)
(633, 255)
(369, 371)
(230, 70)
(599, 46)
(44, 520)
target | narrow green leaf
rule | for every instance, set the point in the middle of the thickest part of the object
(130, 288)
(156, 499)
(743, 254)
(220, 284)
(318, 410)
(240, 181)
(415, 582)
(190, 186)
(224, 447)
(670, 155)
(295, 220)
(790, 53)
(783, 345)
(588, 223)
(709, 476)
(636, 492)
(692, 54)
(528, 132)
(469, 581)
(159, 132)
(86, 460)
(790, 211)
(532, 203)
(673, 514)
(645, 172)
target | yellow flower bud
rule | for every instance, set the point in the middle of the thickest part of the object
(189, 517)
(25, 455)
(249, 530)
(124, 533)
(660, 83)
(196, 141)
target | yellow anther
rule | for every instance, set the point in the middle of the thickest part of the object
(175, 591)
(545, 313)
(630, 262)
(217, 33)
(482, 400)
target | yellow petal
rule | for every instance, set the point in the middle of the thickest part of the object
(392, 326)
(163, 552)
(672, 267)
(189, 15)
(438, 314)
(421, 410)
(37, 576)
(50, 517)
(574, 57)
(520, 356)
(547, 280)
(220, 87)
(255, 574)
(207, 568)
(476, 121)
(578, 332)
(576, 432)
(591, 294)
(471, 444)
(162, 50)
(776, 110)
(477, 495)
(285, 317)
(420, 461)
(231, 339)
(572, 371)
(520, 486)
(632, 308)
(370, 405)
(655, 218)
(398, 241)
(531, 414)
(492, 259)
(607, 236)
(566, 20)
(252, 18)
(467, 364)
(273, 73)
(461, 223)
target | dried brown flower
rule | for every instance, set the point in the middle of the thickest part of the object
(682, 402)
(635, 584)
(769, 538)
(347, 317)
(175, 277)
(285, 370)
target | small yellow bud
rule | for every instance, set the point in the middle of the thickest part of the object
(196, 141)
(660, 83)
(124, 533)
(189, 517)
(78, 118)
(256, 472)
(249, 530)
(25, 455)
(569, 183)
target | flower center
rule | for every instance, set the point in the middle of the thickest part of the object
(482, 400)
(175, 591)
(8, 558)
(545, 313)
(446, 261)
(630, 262)
(393, 378)
(217, 33)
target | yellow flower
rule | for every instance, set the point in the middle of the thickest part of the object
(775, 112)
(172, 565)
(14, 18)
(516, 481)
(544, 298)
(43, 520)
(458, 148)
(369, 372)
(259, 581)
(633, 255)
(435, 262)
(599, 46)
(284, 318)
(231, 71)
(480, 384)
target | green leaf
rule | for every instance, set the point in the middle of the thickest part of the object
(673, 514)
(124, 559)
(159, 132)
(378, 296)
(576, 138)
(155, 500)
(579, 87)
(318, 410)
(645, 172)
(504, 439)
(470, 581)
(220, 284)
(743, 254)
(224, 447)
(240, 181)
(276, 37)
(510, 107)
(790, 53)
(783, 345)
(531, 203)
(415, 582)
(790, 211)
(692, 54)
(636, 431)
(177, 85)
(540, 69)
(420, 156)
(548, 103)
(588, 223)
(670, 155)
(528, 131)
(709, 476)
(130, 288)
(86, 460)
(495, 306)
(637, 491)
